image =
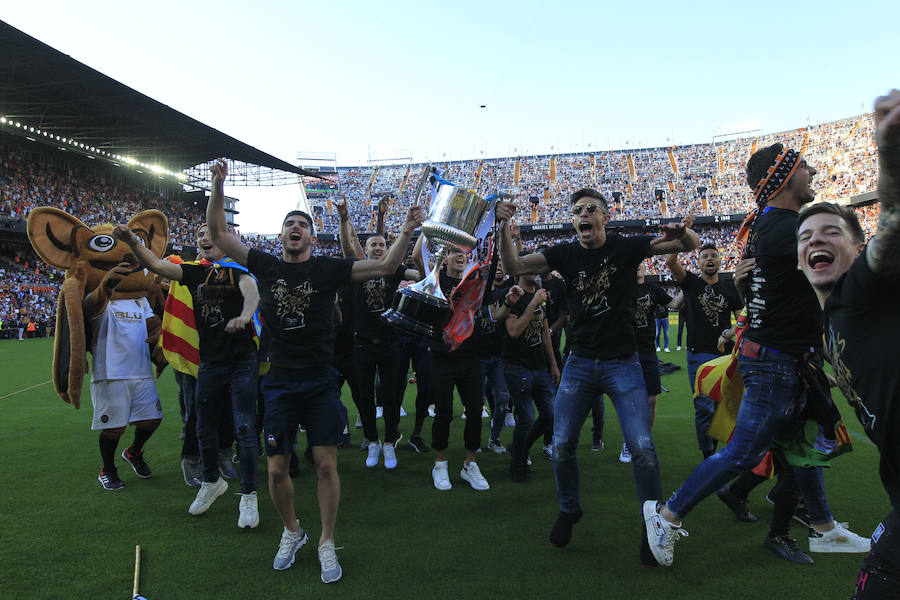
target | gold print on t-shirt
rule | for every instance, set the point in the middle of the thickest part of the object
(836, 347)
(642, 311)
(712, 304)
(292, 303)
(373, 290)
(532, 333)
(592, 290)
(210, 305)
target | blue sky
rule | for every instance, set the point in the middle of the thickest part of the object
(356, 78)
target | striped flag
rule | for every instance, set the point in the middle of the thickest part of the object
(180, 341)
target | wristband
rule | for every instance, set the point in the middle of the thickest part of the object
(725, 334)
(507, 303)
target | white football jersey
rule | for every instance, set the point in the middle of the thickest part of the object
(118, 343)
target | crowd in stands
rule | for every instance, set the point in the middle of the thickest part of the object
(842, 151)
(699, 178)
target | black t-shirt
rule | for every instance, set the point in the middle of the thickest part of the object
(600, 285)
(217, 300)
(708, 311)
(468, 348)
(343, 337)
(527, 350)
(296, 301)
(648, 298)
(782, 308)
(488, 336)
(861, 327)
(373, 297)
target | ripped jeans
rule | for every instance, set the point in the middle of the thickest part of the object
(583, 379)
(228, 386)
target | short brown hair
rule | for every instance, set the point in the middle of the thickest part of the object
(844, 212)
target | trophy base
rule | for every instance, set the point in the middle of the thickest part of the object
(418, 314)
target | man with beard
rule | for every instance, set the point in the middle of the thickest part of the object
(784, 332)
(375, 342)
(857, 287)
(297, 299)
(531, 372)
(599, 271)
(225, 299)
(709, 303)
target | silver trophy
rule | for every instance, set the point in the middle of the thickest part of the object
(457, 218)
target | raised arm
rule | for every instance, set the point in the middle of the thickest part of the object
(350, 245)
(146, 256)
(383, 206)
(676, 237)
(526, 265)
(248, 288)
(677, 302)
(215, 217)
(674, 265)
(372, 269)
(883, 251)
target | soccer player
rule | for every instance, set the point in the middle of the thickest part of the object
(297, 297)
(225, 300)
(857, 287)
(708, 303)
(531, 372)
(375, 342)
(599, 270)
(784, 331)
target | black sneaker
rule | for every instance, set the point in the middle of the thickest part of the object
(561, 533)
(737, 506)
(110, 480)
(417, 443)
(520, 473)
(786, 547)
(141, 468)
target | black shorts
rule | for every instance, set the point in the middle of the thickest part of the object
(650, 368)
(307, 397)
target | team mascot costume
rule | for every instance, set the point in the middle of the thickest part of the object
(108, 305)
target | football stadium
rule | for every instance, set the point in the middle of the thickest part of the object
(81, 152)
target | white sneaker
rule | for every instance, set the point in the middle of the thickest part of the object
(666, 349)
(484, 413)
(379, 412)
(661, 535)
(840, 539)
(678, 348)
(510, 420)
(374, 450)
(402, 412)
(624, 455)
(358, 424)
(471, 473)
(249, 511)
(390, 457)
(658, 349)
(440, 475)
(547, 451)
(496, 446)
(207, 495)
(288, 546)
(431, 410)
(331, 568)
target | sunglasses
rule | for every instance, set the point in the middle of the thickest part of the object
(578, 208)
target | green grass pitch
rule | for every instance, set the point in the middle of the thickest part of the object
(63, 536)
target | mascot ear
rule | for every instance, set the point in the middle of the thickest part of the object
(152, 227)
(52, 233)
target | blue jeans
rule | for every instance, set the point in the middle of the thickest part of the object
(492, 371)
(583, 379)
(662, 326)
(228, 386)
(704, 407)
(772, 390)
(528, 389)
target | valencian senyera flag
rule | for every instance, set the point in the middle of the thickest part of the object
(179, 340)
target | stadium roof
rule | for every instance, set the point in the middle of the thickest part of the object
(43, 88)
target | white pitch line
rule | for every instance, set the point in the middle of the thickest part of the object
(25, 389)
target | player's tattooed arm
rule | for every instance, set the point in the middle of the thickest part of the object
(883, 253)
